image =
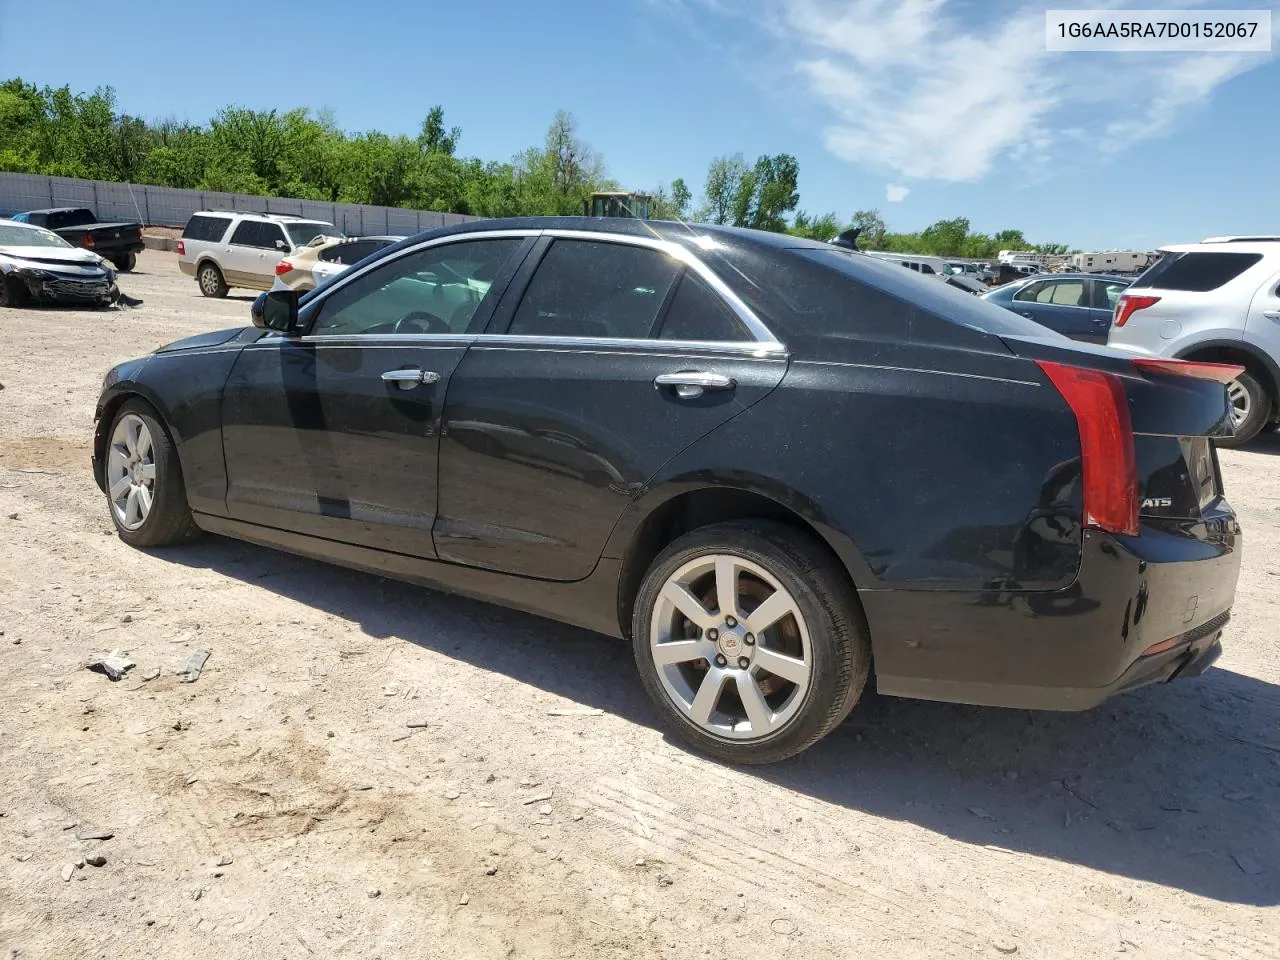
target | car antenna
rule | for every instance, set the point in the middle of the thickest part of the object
(848, 239)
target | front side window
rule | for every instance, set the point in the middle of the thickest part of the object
(436, 290)
(589, 288)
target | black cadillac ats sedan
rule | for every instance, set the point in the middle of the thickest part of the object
(778, 467)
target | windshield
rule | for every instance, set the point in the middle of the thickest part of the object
(303, 233)
(12, 235)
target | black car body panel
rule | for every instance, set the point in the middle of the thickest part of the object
(909, 426)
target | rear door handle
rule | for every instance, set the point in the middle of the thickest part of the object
(689, 384)
(407, 378)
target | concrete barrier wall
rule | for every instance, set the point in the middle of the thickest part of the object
(172, 207)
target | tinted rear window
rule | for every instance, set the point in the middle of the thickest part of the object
(205, 228)
(1196, 272)
(808, 291)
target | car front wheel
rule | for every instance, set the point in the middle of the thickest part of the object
(143, 479)
(1250, 410)
(750, 641)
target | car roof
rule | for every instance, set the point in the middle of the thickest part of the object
(255, 213)
(58, 210)
(1250, 245)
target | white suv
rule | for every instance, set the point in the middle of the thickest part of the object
(1219, 301)
(224, 249)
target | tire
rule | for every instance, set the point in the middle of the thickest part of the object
(822, 634)
(1249, 397)
(209, 277)
(13, 292)
(160, 517)
(126, 262)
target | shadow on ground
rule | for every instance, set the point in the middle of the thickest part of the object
(1176, 785)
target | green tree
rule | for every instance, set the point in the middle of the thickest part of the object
(872, 227)
(723, 186)
(434, 138)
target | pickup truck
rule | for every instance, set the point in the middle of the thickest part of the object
(118, 242)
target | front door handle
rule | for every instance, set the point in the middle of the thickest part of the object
(1271, 314)
(407, 378)
(689, 384)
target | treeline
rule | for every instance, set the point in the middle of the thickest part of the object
(301, 153)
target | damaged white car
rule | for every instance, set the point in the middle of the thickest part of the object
(38, 265)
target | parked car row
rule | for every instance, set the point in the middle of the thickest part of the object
(1215, 301)
(120, 243)
(264, 251)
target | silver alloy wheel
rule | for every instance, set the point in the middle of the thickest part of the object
(209, 281)
(731, 647)
(1241, 403)
(131, 472)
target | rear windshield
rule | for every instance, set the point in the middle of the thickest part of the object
(70, 218)
(819, 291)
(1196, 272)
(205, 228)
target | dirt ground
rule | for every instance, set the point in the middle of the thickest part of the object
(286, 805)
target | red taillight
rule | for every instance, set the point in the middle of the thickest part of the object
(1128, 305)
(182, 249)
(282, 268)
(1108, 464)
(88, 240)
(1197, 369)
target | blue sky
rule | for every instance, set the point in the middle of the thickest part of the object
(953, 106)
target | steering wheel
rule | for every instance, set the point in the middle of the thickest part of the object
(419, 321)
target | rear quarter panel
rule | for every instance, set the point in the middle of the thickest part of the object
(915, 477)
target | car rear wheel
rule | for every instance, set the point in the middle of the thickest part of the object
(1250, 410)
(750, 641)
(143, 479)
(211, 282)
(126, 262)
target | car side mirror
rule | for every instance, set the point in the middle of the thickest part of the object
(281, 245)
(276, 310)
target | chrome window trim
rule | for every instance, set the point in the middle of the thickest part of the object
(755, 327)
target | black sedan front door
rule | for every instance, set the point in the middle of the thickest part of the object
(335, 434)
(551, 428)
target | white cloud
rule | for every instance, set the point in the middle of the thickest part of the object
(942, 89)
(895, 192)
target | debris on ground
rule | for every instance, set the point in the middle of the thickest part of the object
(151, 674)
(577, 712)
(189, 670)
(113, 664)
(90, 833)
(537, 797)
(464, 900)
(97, 860)
(417, 724)
(68, 872)
(374, 893)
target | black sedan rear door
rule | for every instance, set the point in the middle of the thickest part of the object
(614, 358)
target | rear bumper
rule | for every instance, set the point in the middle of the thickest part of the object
(1188, 659)
(187, 267)
(1143, 610)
